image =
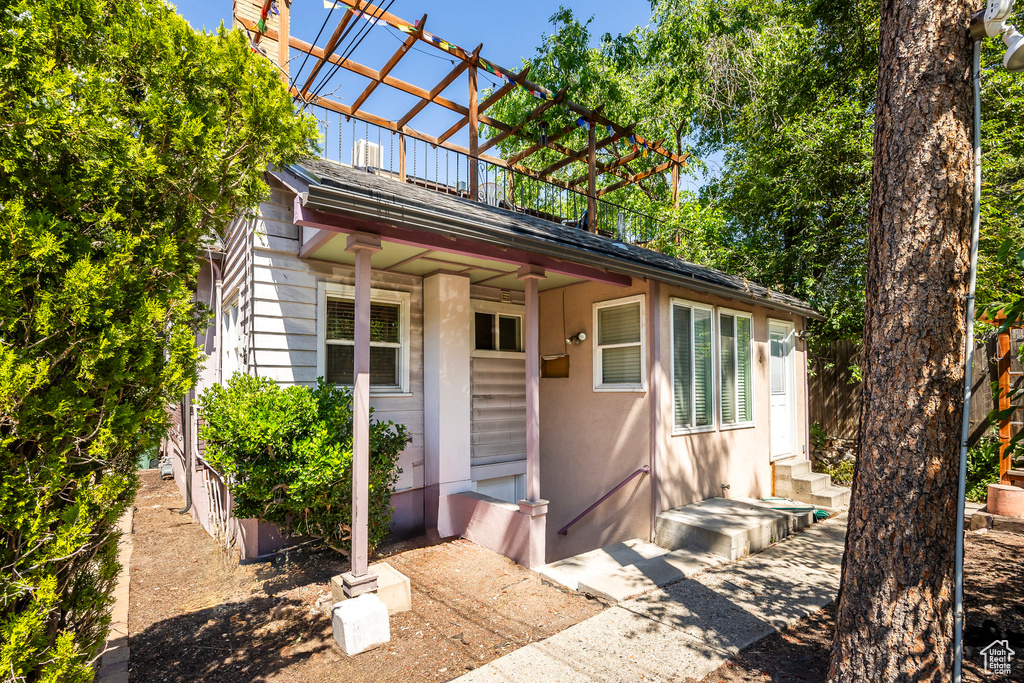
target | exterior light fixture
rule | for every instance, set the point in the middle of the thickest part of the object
(991, 22)
(987, 23)
(1014, 59)
(576, 338)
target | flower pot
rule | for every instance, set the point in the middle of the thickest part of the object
(1005, 500)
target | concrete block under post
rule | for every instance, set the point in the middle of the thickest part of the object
(360, 624)
(537, 511)
(393, 588)
(354, 586)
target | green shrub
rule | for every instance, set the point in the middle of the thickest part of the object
(818, 436)
(127, 140)
(287, 456)
(841, 473)
(982, 468)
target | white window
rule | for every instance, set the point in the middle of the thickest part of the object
(692, 366)
(497, 328)
(389, 338)
(734, 350)
(619, 336)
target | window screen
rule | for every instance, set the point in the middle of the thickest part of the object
(618, 340)
(735, 347)
(483, 324)
(509, 333)
(385, 342)
(692, 367)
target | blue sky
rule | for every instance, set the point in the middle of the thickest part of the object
(509, 31)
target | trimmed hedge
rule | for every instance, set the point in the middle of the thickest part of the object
(286, 454)
(127, 141)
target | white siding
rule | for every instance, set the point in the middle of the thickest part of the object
(283, 322)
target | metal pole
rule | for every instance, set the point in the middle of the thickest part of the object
(958, 600)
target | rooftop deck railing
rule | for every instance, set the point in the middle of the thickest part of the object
(407, 158)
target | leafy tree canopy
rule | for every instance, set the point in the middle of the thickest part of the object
(784, 94)
(127, 143)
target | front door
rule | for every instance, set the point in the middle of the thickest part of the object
(783, 400)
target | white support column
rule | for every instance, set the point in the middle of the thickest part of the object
(359, 579)
(533, 506)
(447, 400)
(531, 275)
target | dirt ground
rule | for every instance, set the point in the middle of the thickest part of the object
(197, 615)
(993, 586)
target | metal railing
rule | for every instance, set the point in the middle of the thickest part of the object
(362, 144)
(646, 469)
(219, 507)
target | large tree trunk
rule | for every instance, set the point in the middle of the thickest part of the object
(895, 618)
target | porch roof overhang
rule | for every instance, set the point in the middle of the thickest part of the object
(375, 204)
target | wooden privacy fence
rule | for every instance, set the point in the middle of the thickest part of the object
(835, 392)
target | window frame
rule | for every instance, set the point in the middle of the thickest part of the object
(497, 308)
(715, 363)
(333, 290)
(752, 422)
(599, 386)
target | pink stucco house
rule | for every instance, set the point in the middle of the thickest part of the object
(563, 384)
(538, 366)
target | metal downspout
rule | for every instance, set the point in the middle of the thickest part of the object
(186, 447)
(958, 600)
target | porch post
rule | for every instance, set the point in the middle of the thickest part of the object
(533, 506)
(359, 580)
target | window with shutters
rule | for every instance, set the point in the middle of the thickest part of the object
(619, 339)
(389, 338)
(735, 372)
(693, 384)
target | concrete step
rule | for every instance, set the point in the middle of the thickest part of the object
(570, 571)
(837, 497)
(811, 483)
(646, 575)
(802, 485)
(730, 528)
(787, 469)
(801, 514)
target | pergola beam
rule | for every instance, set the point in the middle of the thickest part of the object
(536, 147)
(635, 178)
(513, 130)
(436, 90)
(588, 151)
(495, 96)
(332, 45)
(610, 167)
(391, 64)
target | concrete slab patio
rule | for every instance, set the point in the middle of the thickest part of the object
(690, 628)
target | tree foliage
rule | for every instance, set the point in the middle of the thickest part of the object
(287, 456)
(127, 141)
(775, 98)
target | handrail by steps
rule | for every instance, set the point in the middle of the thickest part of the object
(646, 469)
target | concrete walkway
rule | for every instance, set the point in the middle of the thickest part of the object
(114, 662)
(689, 629)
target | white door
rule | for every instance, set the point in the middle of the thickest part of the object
(783, 399)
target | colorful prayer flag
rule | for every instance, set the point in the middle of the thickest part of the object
(261, 26)
(406, 29)
(583, 123)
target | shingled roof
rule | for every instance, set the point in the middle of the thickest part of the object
(332, 187)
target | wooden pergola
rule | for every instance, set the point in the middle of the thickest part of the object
(619, 144)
